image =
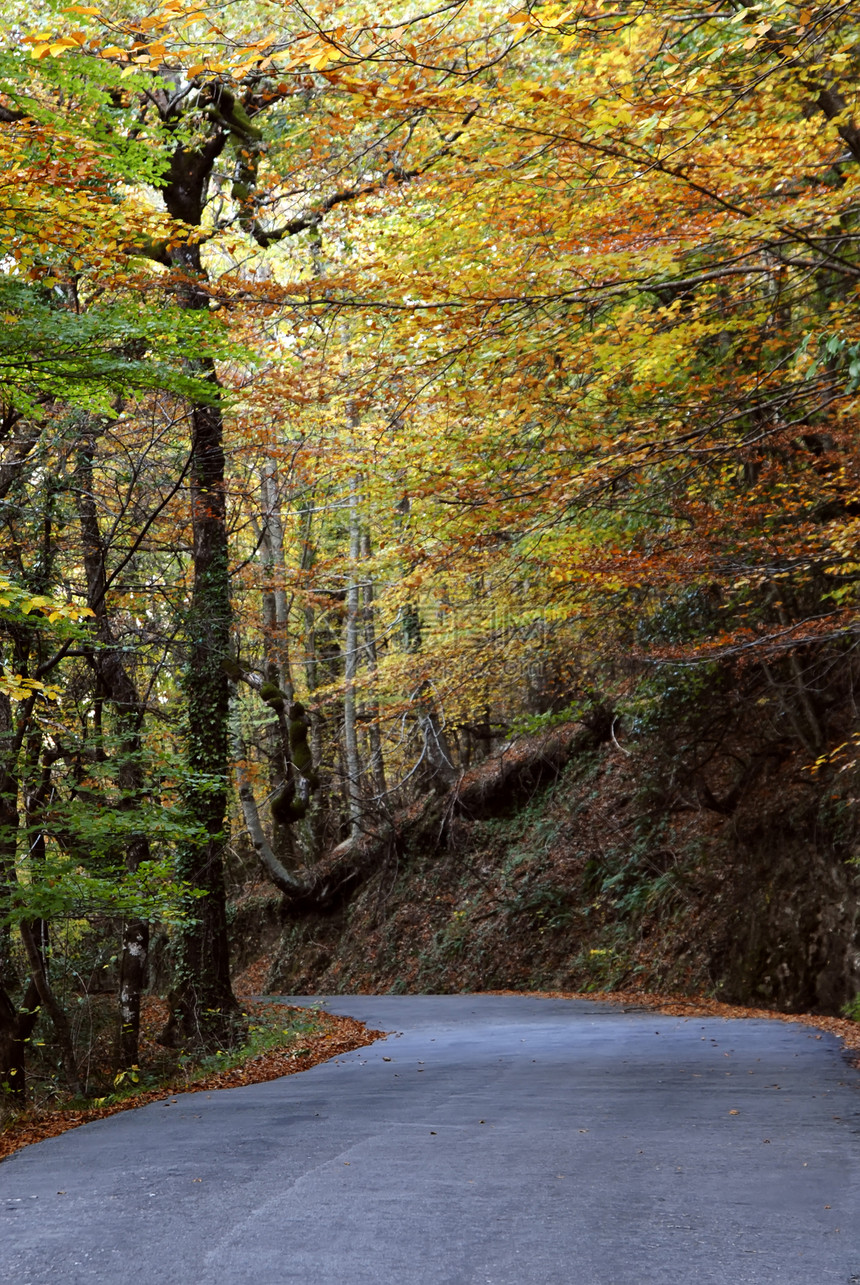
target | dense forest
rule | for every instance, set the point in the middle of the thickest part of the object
(428, 442)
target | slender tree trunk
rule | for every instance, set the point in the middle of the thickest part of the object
(352, 758)
(12, 1064)
(377, 762)
(8, 830)
(437, 751)
(16, 1024)
(278, 670)
(122, 692)
(306, 561)
(274, 559)
(35, 932)
(32, 935)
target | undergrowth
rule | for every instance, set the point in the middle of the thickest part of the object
(282, 1040)
(271, 1028)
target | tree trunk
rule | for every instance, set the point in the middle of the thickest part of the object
(352, 758)
(13, 1079)
(307, 556)
(377, 762)
(276, 605)
(441, 772)
(12, 1047)
(276, 644)
(8, 830)
(208, 1008)
(125, 698)
(32, 934)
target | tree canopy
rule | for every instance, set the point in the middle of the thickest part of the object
(372, 391)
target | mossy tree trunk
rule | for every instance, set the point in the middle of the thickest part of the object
(207, 1005)
(206, 1011)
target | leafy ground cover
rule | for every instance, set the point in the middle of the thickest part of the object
(281, 1040)
(619, 875)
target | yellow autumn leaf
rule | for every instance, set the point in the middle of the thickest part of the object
(323, 58)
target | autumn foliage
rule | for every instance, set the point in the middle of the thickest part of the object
(373, 392)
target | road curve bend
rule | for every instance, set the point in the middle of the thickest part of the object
(489, 1140)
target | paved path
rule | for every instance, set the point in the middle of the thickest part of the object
(495, 1141)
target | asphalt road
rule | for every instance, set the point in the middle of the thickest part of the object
(492, 1141)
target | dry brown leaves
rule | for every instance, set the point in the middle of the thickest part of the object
(341, 1035)
(252, 981)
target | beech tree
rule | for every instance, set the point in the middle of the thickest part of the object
(77, 351)
(517, 348)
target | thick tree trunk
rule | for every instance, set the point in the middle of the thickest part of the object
(207, 1005)
(206, 1011)
(132, 983)
(16, 1027)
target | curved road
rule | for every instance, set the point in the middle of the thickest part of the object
(492, 1141)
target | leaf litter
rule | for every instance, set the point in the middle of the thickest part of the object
(335, 1036)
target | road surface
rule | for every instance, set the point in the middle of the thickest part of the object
(492, 1140)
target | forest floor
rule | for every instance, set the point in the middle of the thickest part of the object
(281, 1041)
(557, 868)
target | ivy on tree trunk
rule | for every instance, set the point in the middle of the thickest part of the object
(207, 1007)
